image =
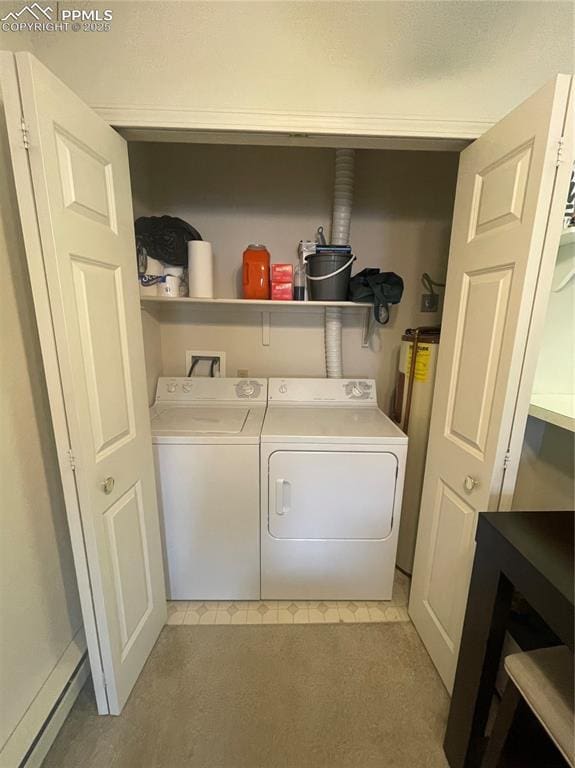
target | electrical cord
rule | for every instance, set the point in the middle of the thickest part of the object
(428, 283)
(192, 366)
(197, 360)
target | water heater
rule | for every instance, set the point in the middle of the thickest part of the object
(412, 411)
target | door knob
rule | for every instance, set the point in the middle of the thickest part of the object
(108, 485)
(470, 483)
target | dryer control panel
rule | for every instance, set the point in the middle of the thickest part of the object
(220, 390)
(318, 391)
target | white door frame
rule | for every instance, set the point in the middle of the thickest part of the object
(289, 127)
(35, 259)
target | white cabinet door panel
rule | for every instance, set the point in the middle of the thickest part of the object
(501, 259)
(78, 228)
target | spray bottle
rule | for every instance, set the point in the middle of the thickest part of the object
(305, 248)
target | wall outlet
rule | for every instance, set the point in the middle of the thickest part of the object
(243, 373)
(429, 302)
(202, 359)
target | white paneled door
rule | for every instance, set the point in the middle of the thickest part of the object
(78, 227)
(511, 186)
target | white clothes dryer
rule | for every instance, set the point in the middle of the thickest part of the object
(332, 470)
(206, 439)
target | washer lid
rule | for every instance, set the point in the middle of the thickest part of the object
(198, 420)
(326, 424)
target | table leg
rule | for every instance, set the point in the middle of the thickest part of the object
(486, 620)
(502, 726)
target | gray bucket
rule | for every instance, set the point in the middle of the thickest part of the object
(328, 276)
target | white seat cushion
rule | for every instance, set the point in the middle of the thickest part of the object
(545, 680)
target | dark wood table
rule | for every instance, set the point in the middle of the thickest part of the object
(531, 552)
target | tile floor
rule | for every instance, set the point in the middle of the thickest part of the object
(293, 612)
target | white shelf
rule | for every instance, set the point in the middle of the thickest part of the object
(555, 409)
(259, 304)
(159, 305)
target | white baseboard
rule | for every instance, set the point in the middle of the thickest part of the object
(56, 721)
(30, 741)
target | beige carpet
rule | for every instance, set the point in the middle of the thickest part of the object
(283, 696)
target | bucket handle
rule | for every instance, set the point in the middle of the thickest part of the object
(331, 274)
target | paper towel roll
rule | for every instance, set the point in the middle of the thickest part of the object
(175, 271)
(149, 290)
(171, 287)
(154, 268)
(178, 272)
(200, 269)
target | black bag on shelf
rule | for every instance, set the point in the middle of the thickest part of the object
(379, 288)
(164, 238)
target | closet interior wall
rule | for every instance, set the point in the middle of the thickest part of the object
(235, 195)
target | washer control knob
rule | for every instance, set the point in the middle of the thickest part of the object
(248, 389)
(283, 388)
(187, 387)
(358, 390)
(172, 386)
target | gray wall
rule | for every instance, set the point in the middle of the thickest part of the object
(546, 477)
(464, 60)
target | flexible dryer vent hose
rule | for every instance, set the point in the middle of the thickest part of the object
(333, 355)
(342, 196)
(340, 227)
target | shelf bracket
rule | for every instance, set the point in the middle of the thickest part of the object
(265, 329)
(366, 327)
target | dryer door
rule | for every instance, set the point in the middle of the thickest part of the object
(331, 494)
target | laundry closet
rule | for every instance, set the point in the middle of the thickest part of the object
(278, 195)
(72, 174)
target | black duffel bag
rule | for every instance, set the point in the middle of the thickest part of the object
(379, 288)
(164, 238)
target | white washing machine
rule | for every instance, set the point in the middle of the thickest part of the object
(206, 437)
(332, 469)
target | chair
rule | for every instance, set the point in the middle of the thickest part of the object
(544, 679)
